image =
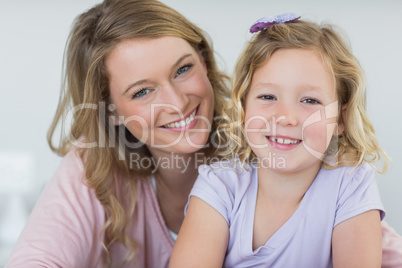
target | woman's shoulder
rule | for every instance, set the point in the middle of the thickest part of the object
(70, 179)
(65, 223)
(74, 159)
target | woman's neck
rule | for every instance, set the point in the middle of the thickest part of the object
(175, 176)
(177, 172)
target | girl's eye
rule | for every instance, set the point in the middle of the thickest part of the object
(183, 69)
(310, 101)
(267, 97)
(141, 93)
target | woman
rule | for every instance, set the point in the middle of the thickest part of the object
(143, 84)
(103, 207)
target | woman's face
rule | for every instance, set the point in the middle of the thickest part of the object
(162, 93)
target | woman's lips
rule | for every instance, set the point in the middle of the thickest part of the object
(188, 122)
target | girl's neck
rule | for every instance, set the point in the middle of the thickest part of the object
(278, 197)
(286, 187)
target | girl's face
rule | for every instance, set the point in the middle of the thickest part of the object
(291, 110)
(162, 93)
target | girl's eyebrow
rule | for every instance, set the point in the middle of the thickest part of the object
(143, 81)
(310, 87)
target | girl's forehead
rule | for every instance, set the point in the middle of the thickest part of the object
(291, 65)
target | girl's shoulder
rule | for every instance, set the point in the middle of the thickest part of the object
(349, 182)
(349, 172)
(229, 167)
(232, 175)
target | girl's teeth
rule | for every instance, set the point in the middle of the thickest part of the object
(284, 141)
(182, 123)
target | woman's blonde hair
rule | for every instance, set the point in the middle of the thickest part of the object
(94, 35)
(357, 143)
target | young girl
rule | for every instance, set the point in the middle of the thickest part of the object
(300, 191)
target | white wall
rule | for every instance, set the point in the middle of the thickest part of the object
(33, 34)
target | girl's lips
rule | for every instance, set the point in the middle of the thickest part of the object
(283, 143)
(188, 122)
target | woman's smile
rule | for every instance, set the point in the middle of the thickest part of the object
(188, 122)
(161, 91)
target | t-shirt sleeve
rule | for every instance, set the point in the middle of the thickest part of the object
(358, 193)
(211, 187)
(63, 229)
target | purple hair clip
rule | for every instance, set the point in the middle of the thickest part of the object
(265, 22)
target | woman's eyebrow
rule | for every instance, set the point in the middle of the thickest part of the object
(182, 58)
(142, 81)
(139, 82)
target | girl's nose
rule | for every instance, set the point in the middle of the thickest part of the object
(286, 115)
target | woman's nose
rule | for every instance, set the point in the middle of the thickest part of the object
(174, 98)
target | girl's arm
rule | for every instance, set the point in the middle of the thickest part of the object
(203, 237)
(356, 242)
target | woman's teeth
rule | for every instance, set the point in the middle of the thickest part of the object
(182, 123)
(284, 141)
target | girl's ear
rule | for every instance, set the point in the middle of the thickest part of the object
(341, 125)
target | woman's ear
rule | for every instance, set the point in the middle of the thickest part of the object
(204, 65)
(114, 118)
(342, 117)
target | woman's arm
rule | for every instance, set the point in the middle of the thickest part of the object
(63, 229)
(356, 242)
(391, 247)
(203, 237)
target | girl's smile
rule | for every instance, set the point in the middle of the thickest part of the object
(283, 143)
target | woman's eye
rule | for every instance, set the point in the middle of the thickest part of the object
(183, 69)
(267, 97)
(141, 93)
(310, 101)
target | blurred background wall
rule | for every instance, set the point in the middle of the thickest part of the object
(32, 39)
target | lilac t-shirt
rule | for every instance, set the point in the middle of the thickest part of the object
(305, 239)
